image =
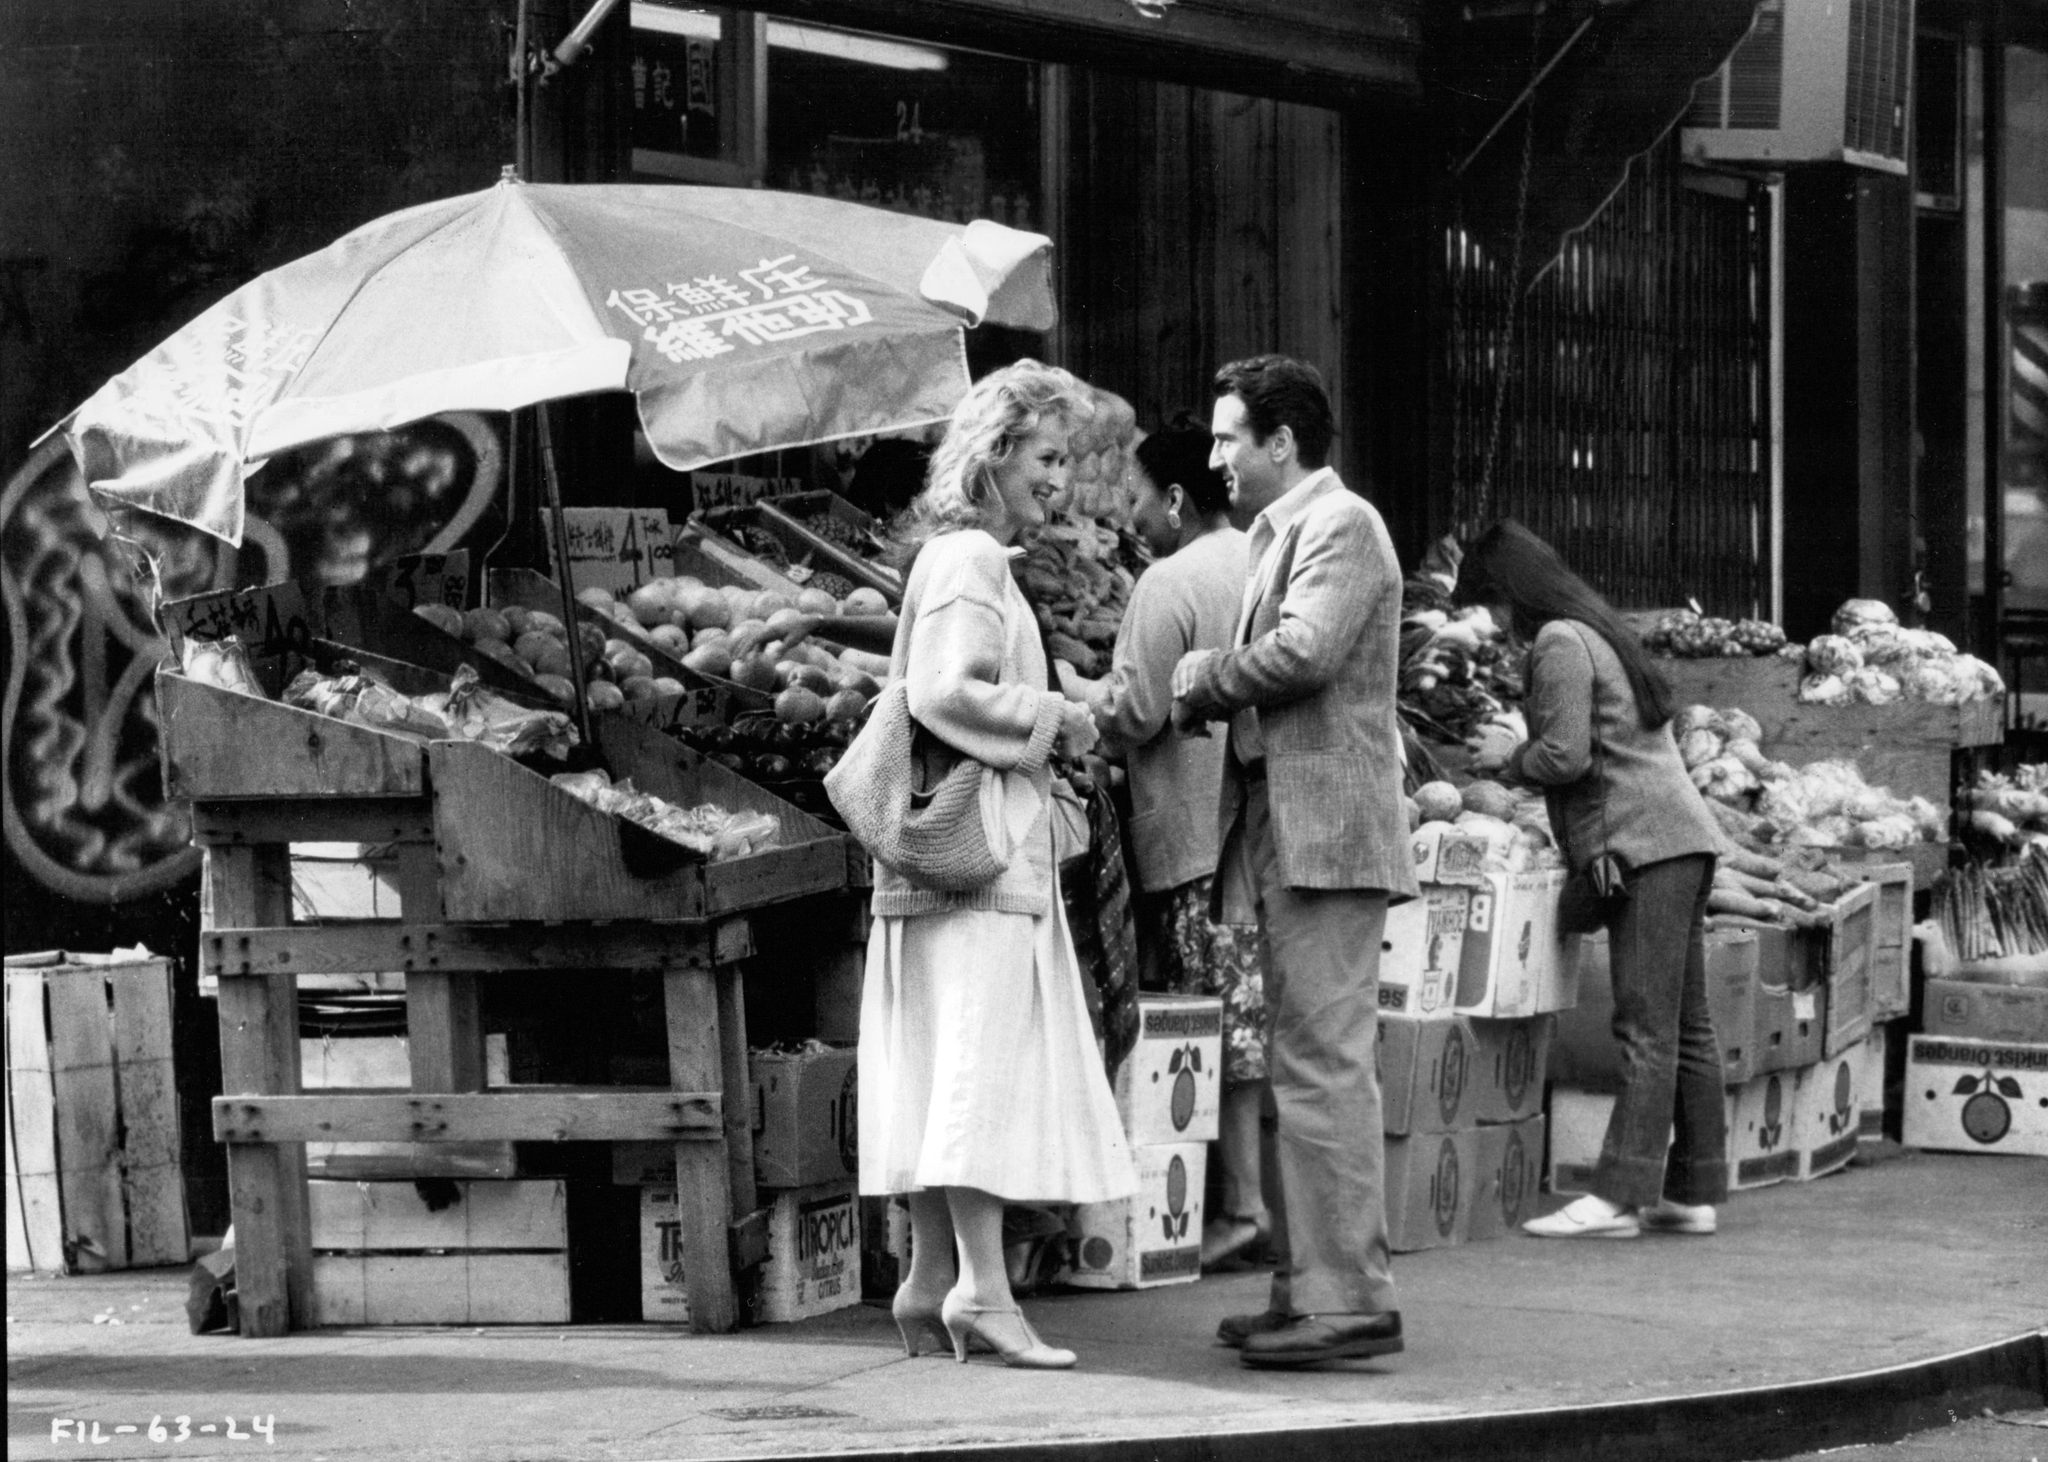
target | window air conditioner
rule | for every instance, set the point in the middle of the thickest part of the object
(1813, 81)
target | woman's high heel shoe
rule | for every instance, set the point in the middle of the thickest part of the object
(965, 1322)
(916, 1321)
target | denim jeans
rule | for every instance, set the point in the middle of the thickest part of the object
(1670, 1060)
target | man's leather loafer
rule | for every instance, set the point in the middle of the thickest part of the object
(1235, 1330)
(1309, 1340)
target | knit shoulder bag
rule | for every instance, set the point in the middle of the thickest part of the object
(920, 808)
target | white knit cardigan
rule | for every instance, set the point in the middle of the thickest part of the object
(968, 649)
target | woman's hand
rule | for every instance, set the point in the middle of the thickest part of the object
(1077, 730)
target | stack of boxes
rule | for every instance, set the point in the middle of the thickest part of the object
(807, 1163)
(1977, 1071)
(1800, 1015)
(1470, 973)
(1169, 1092)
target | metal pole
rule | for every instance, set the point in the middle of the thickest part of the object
(1996, 350)
(553, 488)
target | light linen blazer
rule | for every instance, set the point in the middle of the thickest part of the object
(1317, 654)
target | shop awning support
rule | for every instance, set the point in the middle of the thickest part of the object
(1522, 100)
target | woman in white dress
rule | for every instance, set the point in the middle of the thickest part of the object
(980, 1082)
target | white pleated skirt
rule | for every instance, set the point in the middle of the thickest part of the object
(978, 1065)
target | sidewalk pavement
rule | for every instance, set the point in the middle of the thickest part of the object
(1874, 1268)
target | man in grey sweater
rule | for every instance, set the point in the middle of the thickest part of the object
(1316, 842)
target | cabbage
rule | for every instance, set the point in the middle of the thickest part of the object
(1893, 831)
(1833, 655)
(1700, 745)
(1863, 611)
(1871, 686)
(1724, 779)
(1824, 690)
(1695, 718)
(1741, 726)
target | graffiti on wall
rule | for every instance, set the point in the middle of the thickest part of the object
(85, 815)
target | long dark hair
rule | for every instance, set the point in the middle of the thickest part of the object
(1511, 565)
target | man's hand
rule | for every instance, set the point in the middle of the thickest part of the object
(1191, 717)
(1189, 670)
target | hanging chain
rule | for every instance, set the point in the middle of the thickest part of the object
(1514, 304)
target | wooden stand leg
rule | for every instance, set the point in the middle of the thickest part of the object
(259, 1051)
(444, 1033)
(703, 1175)
(739, 1088)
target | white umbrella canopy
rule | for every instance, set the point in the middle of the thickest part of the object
(741, 320)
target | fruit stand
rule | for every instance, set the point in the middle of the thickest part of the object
(501, 869)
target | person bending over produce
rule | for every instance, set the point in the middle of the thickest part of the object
(1600, 745)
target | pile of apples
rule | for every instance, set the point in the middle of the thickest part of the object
(536, 644)
(755, 638)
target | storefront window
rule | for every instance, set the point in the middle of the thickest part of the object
(902, 125)
(695, 93)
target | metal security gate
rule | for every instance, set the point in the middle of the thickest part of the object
(1635, 430)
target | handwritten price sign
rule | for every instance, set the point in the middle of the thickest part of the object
(617, 548)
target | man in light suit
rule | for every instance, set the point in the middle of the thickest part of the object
(1315, 841)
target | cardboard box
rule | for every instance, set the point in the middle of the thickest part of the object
(806, 1117)
(1847, 952)
(814, 1255)
(1153, 1237)
(1577, 1126)
(1443, 854)
(1763, 1133)
(1510, 1162)
(1430, 1179)
(1791, 1025)
(1425, 1069)
(1584, 1053)
(806, 1124)
(1962, 1010)
(1513, 961)
(1976, 1096)
(1169, 1089)
(663, 1297)
(1507, 1066)
(1420, 952)
(1828, 1119)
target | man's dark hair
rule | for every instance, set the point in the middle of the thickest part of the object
(1277, 391)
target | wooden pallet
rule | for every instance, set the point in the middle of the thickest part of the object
(94, 1177)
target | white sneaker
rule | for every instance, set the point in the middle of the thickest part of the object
(1585, 1218)
(1666, 1217)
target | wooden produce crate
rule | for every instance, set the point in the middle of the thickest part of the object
(94, 1179)
(791, 518)
(1891, 960)
(1905, 746)
(224, 744)
(511, 845)
(704, 553)
(1849, 958)
(783, 519)
(709, 699)
(497, 1255)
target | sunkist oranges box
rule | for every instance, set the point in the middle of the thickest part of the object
(1154, 1237)
(1976, 1096)
(1170, 1087)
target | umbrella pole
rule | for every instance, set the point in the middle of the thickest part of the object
(552, 485)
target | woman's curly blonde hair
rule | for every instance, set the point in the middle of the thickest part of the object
(998, 411)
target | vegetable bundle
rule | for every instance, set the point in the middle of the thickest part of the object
(2009, 810)
(1988, 912)
(1458, 670)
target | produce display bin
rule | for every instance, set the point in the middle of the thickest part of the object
(1906, 746)
(512, 845)
(219, 743)
(783, 520)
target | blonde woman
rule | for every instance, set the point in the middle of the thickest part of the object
(979, 1078)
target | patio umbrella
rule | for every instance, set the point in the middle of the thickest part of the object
(742, 321)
